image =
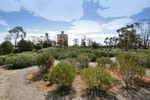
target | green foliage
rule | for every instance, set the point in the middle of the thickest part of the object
(63, 56)
(46, 44)
(7, 47)
(2, 60)
(145, 57)
(45, 60)
(128, 39)
(129, 67)
(92, 56)
(23, 60)
(97, 78)
(38, 46)
(25, 45)
(104, 62)
(70, 61)
(62, 75)
(9, 60)
(55, 52)
(72, 54)
(83, 61)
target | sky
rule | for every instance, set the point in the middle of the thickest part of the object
(96, 19)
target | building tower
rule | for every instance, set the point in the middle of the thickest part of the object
(62, 39)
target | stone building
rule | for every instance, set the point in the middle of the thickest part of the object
(62, 39)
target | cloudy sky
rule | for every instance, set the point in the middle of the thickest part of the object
(96, 19)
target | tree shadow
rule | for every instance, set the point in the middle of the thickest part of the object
(134, 93)
(95, 94)
(62, 93)
(37, 77)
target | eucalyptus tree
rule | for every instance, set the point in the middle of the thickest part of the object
(83, 41)
(128, 37)
(76, 41)
(144, 27)
(16, 33)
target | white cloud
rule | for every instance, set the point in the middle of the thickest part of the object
(2, 36)
(3, 22)
(10, 5)
(122, 8)
(58, 10)
(84, 26)
(118, 23)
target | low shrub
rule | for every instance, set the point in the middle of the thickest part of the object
(129, 68)
(23, 60)
(62, 75)
(97, 78)
(9, 60)
(104, 62)
(63, 56)
(92, 56)
(72, 54)
(83, 61)
(70, 61)
(2, 60)
(45, 60)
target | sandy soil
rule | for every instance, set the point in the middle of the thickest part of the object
(14, 85)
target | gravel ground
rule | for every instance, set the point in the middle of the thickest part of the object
(14, 86)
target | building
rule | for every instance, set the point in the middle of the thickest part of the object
(62, 39)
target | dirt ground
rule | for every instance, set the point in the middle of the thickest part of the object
(28, 84)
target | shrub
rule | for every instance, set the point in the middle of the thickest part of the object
(7, 47)
(23, 60)
(83, 61)
(92, 56)
(129, 68)
(97, 78)
(63, 56)
(9, 60)
(104, 62)
(72, 54)
(55, 52)
(2, 60)
(62, 75)
(70, 61)
(45, 60)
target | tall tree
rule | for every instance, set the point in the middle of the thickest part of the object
(144, 27)
(76, 41)
(83, 41)
(7, 47)
(16, 33)
(128, 39)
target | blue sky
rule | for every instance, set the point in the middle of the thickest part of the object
(96, 19)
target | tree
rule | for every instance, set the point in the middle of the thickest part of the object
(46, 44)
(89, 42)
(144, 27)
(38, 46)
(76, 42)
(22, 45)
(8, 38)
(7, 47)
(25, 45)
(128, 39)
(16, 33)
(95, 45)
(83, 41)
